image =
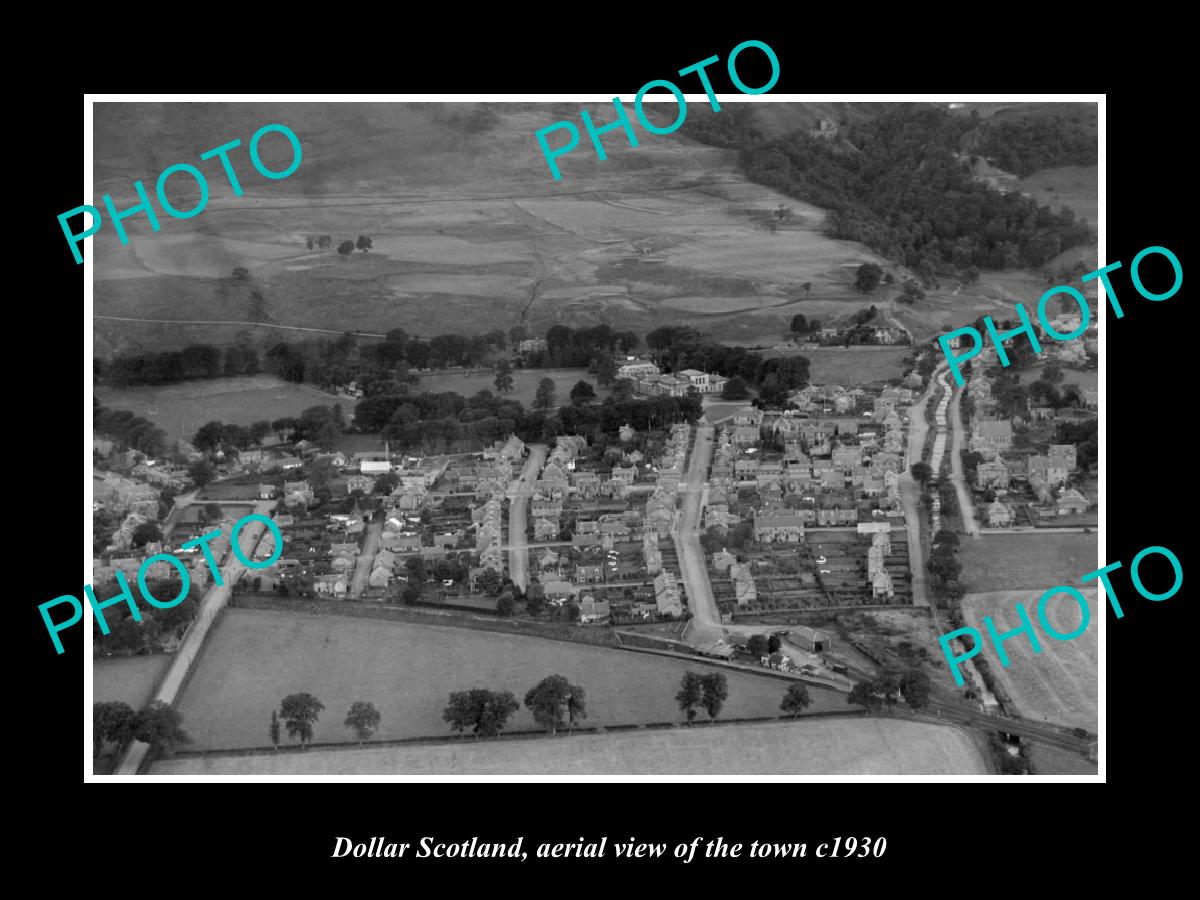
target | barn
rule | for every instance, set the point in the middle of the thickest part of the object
(814, 640)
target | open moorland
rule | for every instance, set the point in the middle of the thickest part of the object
(180, 409)
(464, 215)
(254, 658)
(1059, 684)
(808, 747)
(1029, 562)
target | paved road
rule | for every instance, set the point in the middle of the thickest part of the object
(706, 619)
(519, 493)
(362, 566)
(910, 493)
(958, 434)
(211, 604)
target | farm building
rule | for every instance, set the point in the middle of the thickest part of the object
(814, 640)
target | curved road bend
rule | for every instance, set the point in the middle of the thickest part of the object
(706, 620)
(519, 493)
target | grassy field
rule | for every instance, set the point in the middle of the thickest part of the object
(128, 679)
(180, 409)
(255, 658)
(525, 382)
(1032, 562)
(1075, 187)
(1060, 683)
(808, 747)
(1085, 378)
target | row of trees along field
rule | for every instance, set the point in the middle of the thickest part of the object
(897, 184)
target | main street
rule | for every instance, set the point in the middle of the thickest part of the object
(910, 493)
(519, 493)
(957, 437)
(706, 619)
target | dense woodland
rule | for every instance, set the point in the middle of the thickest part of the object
(1023, 146)
(898, 184)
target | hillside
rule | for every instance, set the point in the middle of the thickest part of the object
(470, 231)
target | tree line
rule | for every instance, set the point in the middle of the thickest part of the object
(678, 347)
(127, 429)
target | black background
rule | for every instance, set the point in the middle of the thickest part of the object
(948, 835)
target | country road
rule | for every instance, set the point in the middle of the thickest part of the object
(362, 566)
(519, 493)
(958, 439)
(210, 605)
(706, 620)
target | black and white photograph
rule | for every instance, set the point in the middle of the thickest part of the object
(741, 435)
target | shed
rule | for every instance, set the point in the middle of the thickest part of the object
(814, 640)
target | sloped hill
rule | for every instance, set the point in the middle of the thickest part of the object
(470, 231)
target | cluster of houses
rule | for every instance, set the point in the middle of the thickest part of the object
(832, 335)
(1007, 472)
(877, 573)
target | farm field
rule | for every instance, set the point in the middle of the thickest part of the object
(181, 408)
(254, 658)
(1026, 562)
(128, 679)
(525, 382)
(1060, 684)
(808, 747)
(854, 365)
(1052, 761)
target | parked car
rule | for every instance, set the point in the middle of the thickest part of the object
(821, 559)
(826, 572)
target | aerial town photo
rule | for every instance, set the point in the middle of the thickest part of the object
(656, 468)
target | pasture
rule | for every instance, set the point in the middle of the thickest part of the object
(1029, 562)
(181, 408)
(1075, 187)
(850, 366)
(1058, 685)
(254, 658)
(127, 679)
(864, 746)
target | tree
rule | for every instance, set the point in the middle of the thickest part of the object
(299, 711)
(1052, 374)
(283, 427)
(146, 533)
(735, 388)
(308, 242)
(912, 291)
(160, 726)
(691, 693)
(922, 472)
(582, 393)
(807, 288)
(606, 370)
(461, 712)
(915, 687)
(202, 472)
(799, 323)
(863, 694)
(210, 436)
(945, 538)
(114, 722)
(504, 378)
(495, 711)
(362, 719)
(505, 604)
(544, 398)
(774, 643)
(795, 700)
(758, 645)
(550, 698)
(274, 730)
(241, 273)
(363, 243)
(212, 512)
(714, 691)
(868, 277)
(346, 248)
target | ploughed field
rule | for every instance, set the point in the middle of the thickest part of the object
(1058, 685)
(254, 658)
(866, 746)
